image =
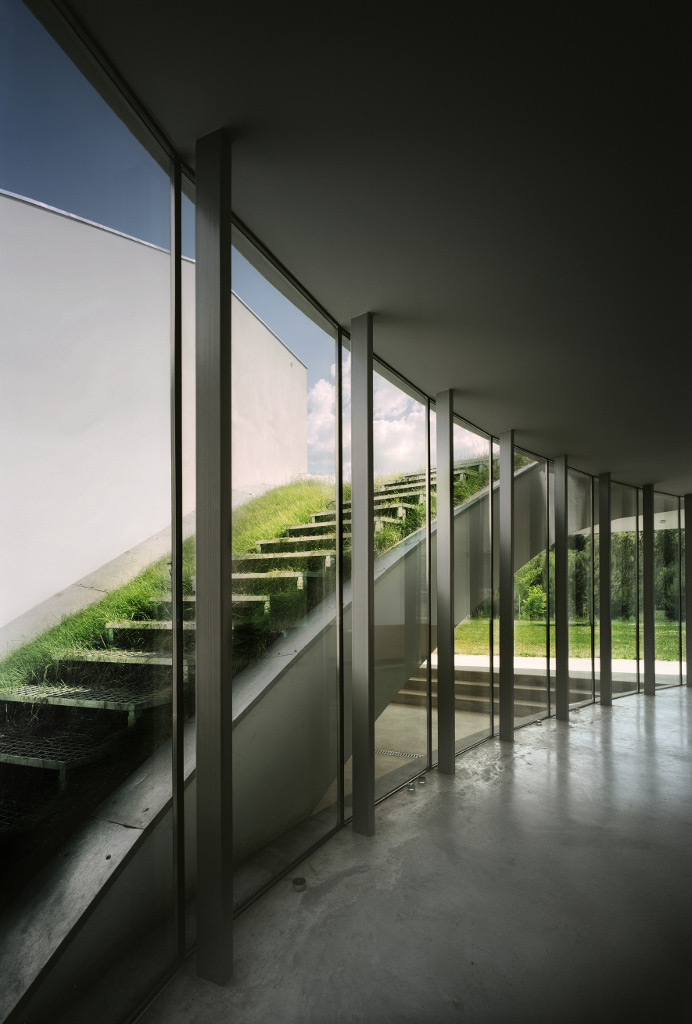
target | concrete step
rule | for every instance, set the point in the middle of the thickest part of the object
(416, 478)
(300, 590)
(479, 705)
(272, 582)
(149, 635)
(412, 496)
(124, 668)
(386, 509)
(401, 487)
(328, 526)
(307, 561)
(313, 542)
(161, 606)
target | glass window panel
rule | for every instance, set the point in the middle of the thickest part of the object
(550, 590)
(472, 588)
(401, 595)
(595, 569)
(85, 669)
(580, 583)
(623, 587)
(667, 589)
(531, 580)
(347, 617)
(285, 685)
(189, 497)
(495, 448)
(640, 589)
(683, 597)
(433, 581)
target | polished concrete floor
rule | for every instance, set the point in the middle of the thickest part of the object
(548, 881)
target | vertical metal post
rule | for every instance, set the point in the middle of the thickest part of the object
(446, 749)
(428, 584)
(637, 632)
(680, 589)
(648, 589)
(362, 579)
(178, 696)
(214, 568)
(507, 586)
(548, 608)
(561, 591)
(688, 582)
(491, 630)
(339, 486)
(605, 626)
(592, 609)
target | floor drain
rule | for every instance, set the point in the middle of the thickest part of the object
(397, 753)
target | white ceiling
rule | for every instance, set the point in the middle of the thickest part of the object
(507, 190)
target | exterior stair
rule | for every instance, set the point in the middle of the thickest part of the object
(91, 703)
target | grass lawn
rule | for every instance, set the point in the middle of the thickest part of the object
(471, 637)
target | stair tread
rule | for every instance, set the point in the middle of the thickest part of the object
(120, 657)
(113, 698)
(149, 624)
(318, 537)
(60, 750)
(278, 574)
(285, 555)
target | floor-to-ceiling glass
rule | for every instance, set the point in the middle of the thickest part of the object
(85, 675)
(432, 725)
(189, 563)
(667, 603)
(494, 639)
(285, 549)
(531, 582)
(400, 439)
(473, 605)
(580, 586)
(683, 598)
(347, 712)
(624, 588)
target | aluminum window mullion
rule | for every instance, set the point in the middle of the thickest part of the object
(688, 603)
(339, 487)
(214, 560)
(446, 739)
(428, 584)
(649, 610)
(561, 591)
(362, 576)
(604, 596)
(491, 631)
(680, 589)
(178, 695)
(506, 682)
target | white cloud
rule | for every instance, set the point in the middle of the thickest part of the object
(398, 428)
(321, 427)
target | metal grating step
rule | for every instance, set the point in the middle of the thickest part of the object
(105, 698)
(60, 752)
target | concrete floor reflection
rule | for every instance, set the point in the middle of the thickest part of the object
(548, 881)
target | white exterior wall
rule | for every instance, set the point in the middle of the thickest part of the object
(269, 407)
(85, 400)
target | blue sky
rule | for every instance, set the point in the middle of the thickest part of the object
(62, 145)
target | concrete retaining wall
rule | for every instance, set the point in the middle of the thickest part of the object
(85, 402)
